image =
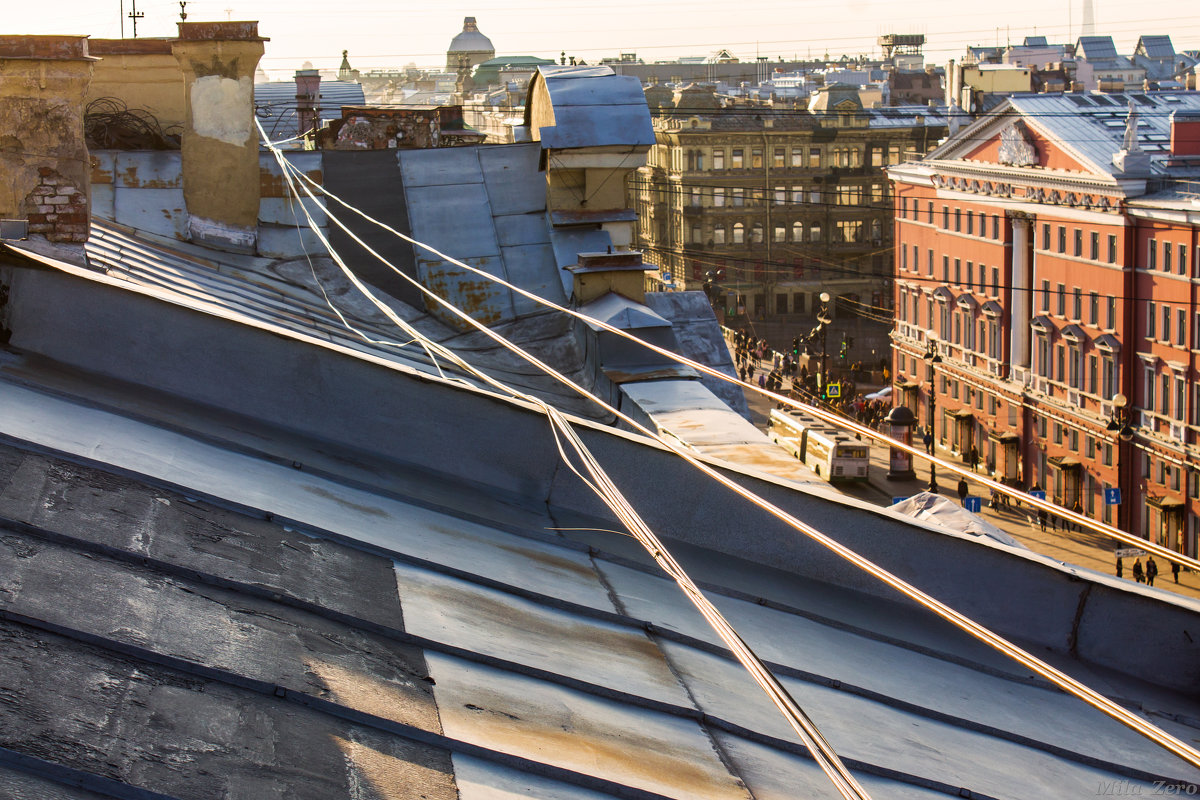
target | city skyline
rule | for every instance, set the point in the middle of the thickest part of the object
(303, 30)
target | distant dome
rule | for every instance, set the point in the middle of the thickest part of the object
(472, 44)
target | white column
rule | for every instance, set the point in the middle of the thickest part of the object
(1021, 306)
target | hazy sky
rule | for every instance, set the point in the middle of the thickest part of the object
(394, 33)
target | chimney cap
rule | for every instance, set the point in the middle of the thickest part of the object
(45, 48)
(220, 32)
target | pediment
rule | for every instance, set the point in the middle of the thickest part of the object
(1006, 139)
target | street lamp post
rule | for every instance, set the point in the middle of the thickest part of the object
(1118, 425)
(931, 358)
(825, 320)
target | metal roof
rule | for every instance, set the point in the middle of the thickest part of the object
(275, 104)
(593, 107)
(1155, 47)
(1093, 48)
(242, 564)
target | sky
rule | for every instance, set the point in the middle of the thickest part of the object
(389, 33)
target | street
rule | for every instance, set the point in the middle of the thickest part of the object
(1084, 548)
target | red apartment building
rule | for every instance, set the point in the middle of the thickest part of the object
(1049, 255)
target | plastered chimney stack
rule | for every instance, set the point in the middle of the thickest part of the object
(220, 141)
(44, 161)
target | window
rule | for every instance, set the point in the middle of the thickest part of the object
(718, 159)
(1179, 398)
(1078, 243)
(1077, 305)
(1183, 259)
(1108, 375)
(797, 194)
(700, 160)
(1166, 324)
(756, 234)
(797, 156)
(1062, 238)
(1062, 300)
(739, 233)
(958, 219)
(1060, 364)
(797, 231)
(958, 271)
(739, 198)
(719, 234)
(694, 198)
(945, 269)
(946, 217)
(915, 255)
(995, 281)
(1046, 236)
(1149, 383)
(814, 158)
(1152, 254)
(849, 230)
(849, 195)
(756, 158)
(1058, 433)
(780, 233)
(1112, 314)
(1094, 308)
(735, 159)
(929, 265)
(1095, 250)
(1181, 327)
(970, 224)
(1196, 332)
(1045, 297)
(995, 226)
(779, 158)
(718, 198)
(1091, 375)
(1166, 262)
(814, 232)
(1112, 250)
(1151, 317)
(929, 208)
(780, 195)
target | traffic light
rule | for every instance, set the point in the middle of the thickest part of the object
(795, 345)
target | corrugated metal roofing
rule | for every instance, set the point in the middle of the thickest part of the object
(1096, 47)
(1159, 46)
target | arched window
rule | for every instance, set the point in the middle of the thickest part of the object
(739, 233)
(797, 231)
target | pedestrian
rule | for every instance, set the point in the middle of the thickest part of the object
(1151, 571)
(742, 373)
(973, 457)
(1120, 568)
(1041, 516)
(1175, 570)
(750, 370)
(928, 439)
(1137, 571)
(963, 489)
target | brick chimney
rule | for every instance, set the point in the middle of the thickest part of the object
(1185, 133)
(220, 141)
(308, 99)
(44, 162)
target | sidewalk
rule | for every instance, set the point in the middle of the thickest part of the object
(1083, 548)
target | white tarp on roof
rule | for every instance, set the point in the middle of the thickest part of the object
(945, 512)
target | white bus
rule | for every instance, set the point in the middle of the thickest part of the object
(824, 449)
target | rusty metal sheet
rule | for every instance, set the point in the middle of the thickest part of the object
(102, 200)
(457, 220)
(485, 300)
(148, 169)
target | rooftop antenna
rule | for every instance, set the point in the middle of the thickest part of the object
(121, 16)
(135, 15)
(183, 10)
(228, 14)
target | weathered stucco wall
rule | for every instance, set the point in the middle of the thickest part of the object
(149, 80)
(220, 146)
(44, 164)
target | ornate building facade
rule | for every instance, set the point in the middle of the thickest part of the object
(1048, 302)
(778, 205)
